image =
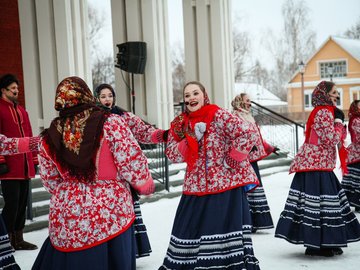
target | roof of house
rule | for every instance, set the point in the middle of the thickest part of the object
(352, 46)
(259, 94)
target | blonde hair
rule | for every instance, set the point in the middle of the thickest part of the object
(238, 102)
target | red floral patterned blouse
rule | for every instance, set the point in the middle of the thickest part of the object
(227, 134)
(263, 148)
(319, 154)
(354, 147)
(83, 215)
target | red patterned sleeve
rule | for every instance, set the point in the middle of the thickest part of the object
(325, 128)
(242, 134)
(49, 173)
(129, 159)
(143, 132)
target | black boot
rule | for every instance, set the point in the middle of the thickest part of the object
(337, 251)
(12, 239)
(325, 252)
(20, 244)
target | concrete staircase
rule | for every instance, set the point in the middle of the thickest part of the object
(40, 197)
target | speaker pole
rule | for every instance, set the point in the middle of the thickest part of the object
(133, 93)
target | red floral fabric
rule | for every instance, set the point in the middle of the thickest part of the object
(85, 214)
(263, 148)
(143, 132)
(209, 174)
(319, 153)
(354, 147)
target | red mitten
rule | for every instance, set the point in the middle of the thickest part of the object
(148, 188)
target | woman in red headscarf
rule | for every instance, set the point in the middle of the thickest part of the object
(212, 226)
(351, 180)
(317, 213)
(89, 159)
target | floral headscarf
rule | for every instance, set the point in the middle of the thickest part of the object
(320, 95)
(74, 136)
(354, 112)
(354, 109)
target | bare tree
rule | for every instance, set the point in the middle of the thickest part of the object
(296, 43)
(102, 63)
(298, 37)
(178, 71)
(354, 31)
(242, 51)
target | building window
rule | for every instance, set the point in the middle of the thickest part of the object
(354, 93)
(338, 69)
(308, 97)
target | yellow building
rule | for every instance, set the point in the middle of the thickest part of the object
(338, 59)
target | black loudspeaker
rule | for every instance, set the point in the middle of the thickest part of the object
(131, 57)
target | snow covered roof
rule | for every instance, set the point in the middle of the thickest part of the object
(352, 46)
(259, 94)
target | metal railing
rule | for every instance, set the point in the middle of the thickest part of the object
(158, 162)
(278, 130)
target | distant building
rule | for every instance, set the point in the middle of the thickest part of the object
(337, 59)
(262, 96)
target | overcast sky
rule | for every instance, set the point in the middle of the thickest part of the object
(328, 17)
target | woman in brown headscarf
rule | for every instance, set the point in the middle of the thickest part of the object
(351, 180)
(317, 213)
(88, 160)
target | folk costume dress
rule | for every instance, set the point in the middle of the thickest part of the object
(89, 159)
(146, 134)
(351, 180)
(259, 207)
(317, 213)
(212, 226)
(12, 146)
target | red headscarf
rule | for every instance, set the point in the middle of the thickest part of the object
(74, 137)
(354, 112)
(183, 125)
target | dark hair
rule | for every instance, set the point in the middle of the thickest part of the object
(8, 79)
(329, 86)
(101, 87)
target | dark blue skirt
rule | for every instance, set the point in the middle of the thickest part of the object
(351, 184)
(7, 260)
(118, 253)
(317, 213)
(143, 247)
(212, 232)
(259, 208)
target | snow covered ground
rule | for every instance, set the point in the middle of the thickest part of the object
(273, 253)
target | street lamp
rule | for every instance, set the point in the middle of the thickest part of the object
(302, 67)
(330, 70)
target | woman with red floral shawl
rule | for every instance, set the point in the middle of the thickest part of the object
(317, 213)
(212, 226)
(259, 207)
(88, 161)
(351, 180)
